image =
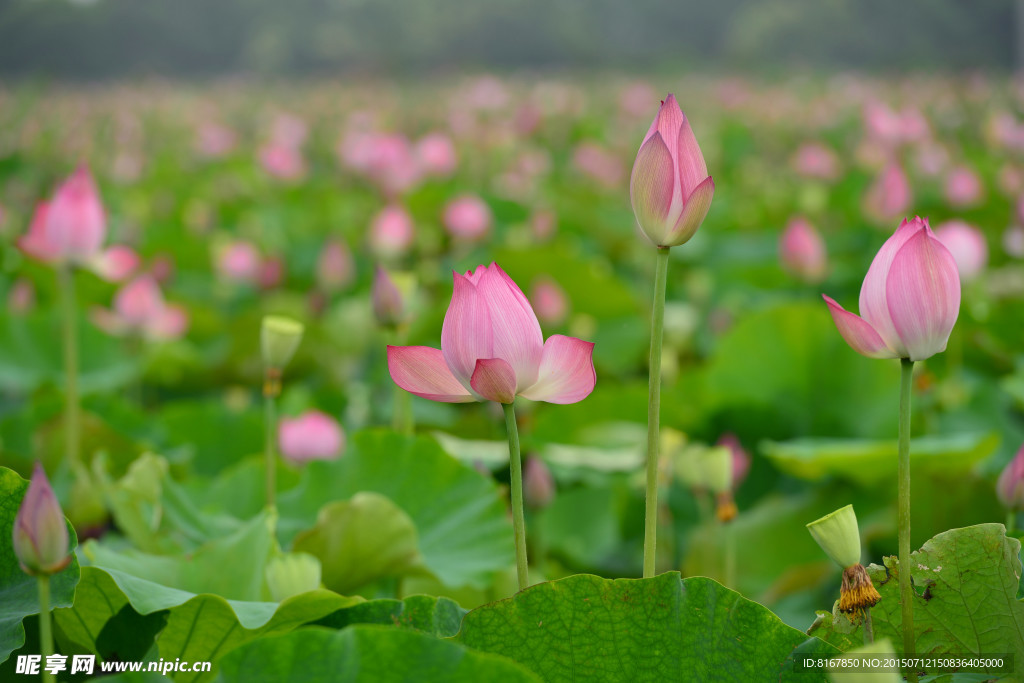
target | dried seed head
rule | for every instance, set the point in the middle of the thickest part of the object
(857, 593)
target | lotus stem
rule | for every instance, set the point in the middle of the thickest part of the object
(45, 627)
(906, 589)
(516, 470)
(72, 407)
(654, 413)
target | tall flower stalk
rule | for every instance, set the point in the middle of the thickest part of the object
(909, 303)
(492, 349)
(671, 192)
(69, 341)
(279, 339)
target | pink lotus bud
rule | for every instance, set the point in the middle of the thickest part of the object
(436, 155)
(391, 232)
(467, 218)
(802, 251)
(538, 484)
(598, 164)
(550, 301)
(36, 243)
(40, 532)
(963, 187)
(75, 222)
(335, 268)
(492, 349)
(889, 196)
(239, 262)
(388, 302)
(282, 161)
(670, 187)
(311, 436)
(138, 302)
(740, 458)
(116, 263)
(1010, 487)
(22, 297)
(815, 160)
(909, 301)
(967, 245)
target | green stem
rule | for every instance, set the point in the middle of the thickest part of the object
(270, 437)
(72, 409)
(654, 412)
(45, 629)
(516, 468)
(869, 628)
(730, 556)
(906, 590)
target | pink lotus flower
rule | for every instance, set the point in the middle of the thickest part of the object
(116, 263)
(670, 187)
(436, 156)
(963, 187)
(802, 251)
(35, 243)
(335, 268)
(75, 222)
(968, 246)
(815, 160)
(909, 301)
(467, 218)
(552, 304)
(492, 349)
(1010, 487)
(40, 532)
(239, 262)
(889, 196)
(311, 436)
(391, 232)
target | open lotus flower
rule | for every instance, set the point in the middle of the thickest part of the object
(492, 349)
(670, 187)
(909, 301)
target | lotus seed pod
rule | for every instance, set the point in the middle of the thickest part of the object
(279, 338)
(716, 464)
(838, 536)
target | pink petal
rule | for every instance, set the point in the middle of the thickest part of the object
(517, 338)
(857, 332)
(495, 380)
(466, 333)
(566, 371)
(75, 221)
(694, 212)
(651, 187)
(421, 370)
(923, 294)
(692, 168)
(873, 306)
(669, 121)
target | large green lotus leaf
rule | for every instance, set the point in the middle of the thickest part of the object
(437, 616)
(464, 534)
(966, 602)
(868, 462)
(360, 541)
(232, 566)
(381, 654)
(585, 628)
(199, 627)
(19, 592)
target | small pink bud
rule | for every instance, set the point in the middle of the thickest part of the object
(467, 218)
(239, 262)
(75, 221)
(40, 532)
(388, 302)
(967, 245)
(391, 232)
(1010, 487)
(963, 187)
(311, 436)
(335, 268)
(549, 301)
(802, 251)
(538, 484)
(436, 156)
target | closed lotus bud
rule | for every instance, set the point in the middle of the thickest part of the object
(967, 245)
(75, 221)
(538, 484)
(292, 574)
(670, 188)
(279, 339)
(1010, 487)
(802, 251)
(40, 533)
(36, 243)
(311, 436)
(839, 537)
(388, 301)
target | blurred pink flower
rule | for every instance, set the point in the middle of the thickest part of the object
(22, 296)
(467, 218)
(1010, 486)
(802, 251)
(214, 140)
(967, 245)
(138, 302)
(635, 99)
(289, 130)
(598, 164)
(386, 159)
(162, 268)
(311, 436)
(335, 268)
(815, 160)
(538, 484)
(75, 222)
(889, 196)
(931, 159)
(909, 301)
(116, 263)
(963, 187)
(435, 154)
(670, 188)
(35, 243)
(492, 349)
(140, 308)
(171, 323)
(740, 458)
(549, 301)
(543, 224)
(272, 272)
(391, 232)
(239, 262)
(282, 161)
(387, 299)
(1013, 241)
